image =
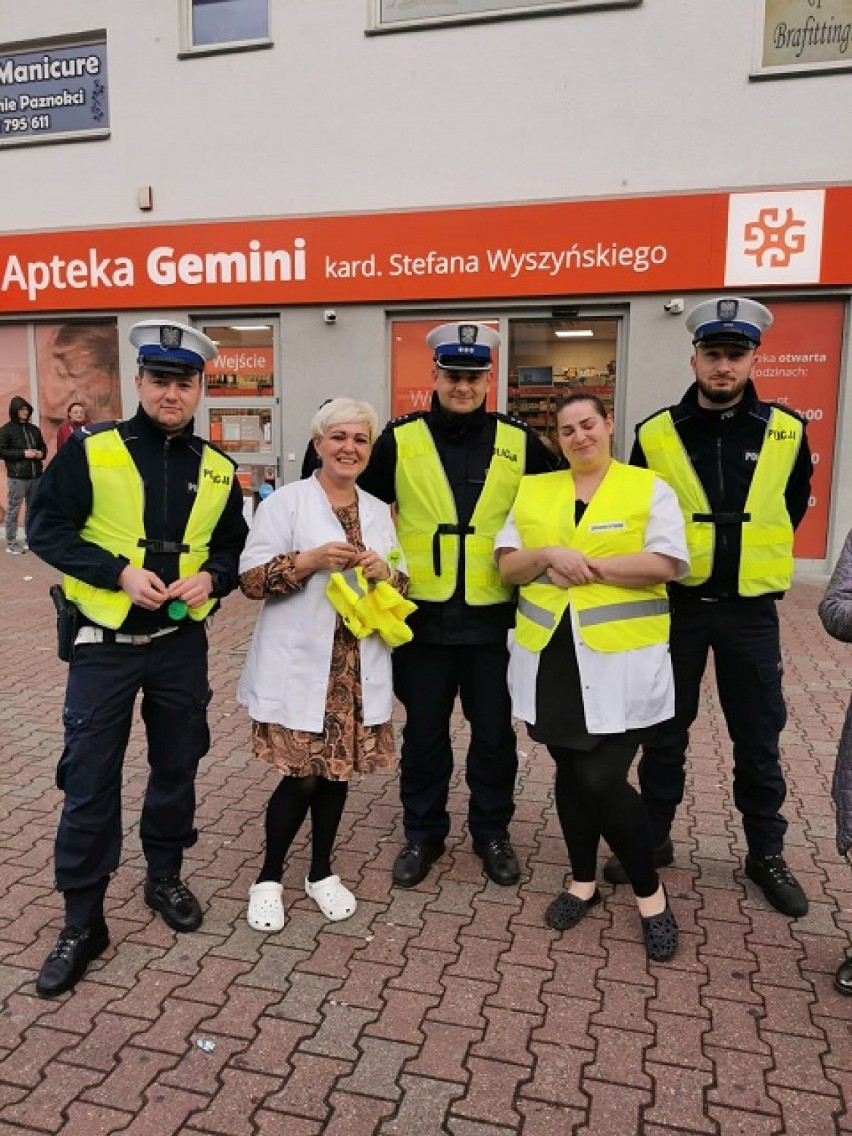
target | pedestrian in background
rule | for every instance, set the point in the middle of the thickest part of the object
(77, 416)
(452, 472)
(835, 611)
(741, 469)
(23, 450)
(145, 519)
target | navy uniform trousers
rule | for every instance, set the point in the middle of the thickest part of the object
(744, 638)
(427, 678)
(103, 682)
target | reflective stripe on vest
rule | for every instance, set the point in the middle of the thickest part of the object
(117, 523)
(366, 607)
(766, 550)
(609, 618)
(427, 521)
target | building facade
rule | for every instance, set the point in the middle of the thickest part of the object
(317, 183)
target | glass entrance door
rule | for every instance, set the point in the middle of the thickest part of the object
(551, 357)
(241, 399)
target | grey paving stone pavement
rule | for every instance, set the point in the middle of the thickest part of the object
(447, 1009)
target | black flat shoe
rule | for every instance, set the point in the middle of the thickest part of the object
(843, 977)
(567, 910)
(499, 861)
(660, 933)
(66, 964)
(175, 902)
(413, 862)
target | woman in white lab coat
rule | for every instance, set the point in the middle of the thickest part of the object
(320, 699)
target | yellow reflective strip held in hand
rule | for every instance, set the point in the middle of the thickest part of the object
(344, 591)
(385, 611)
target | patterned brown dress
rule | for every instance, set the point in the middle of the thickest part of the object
(345, 744)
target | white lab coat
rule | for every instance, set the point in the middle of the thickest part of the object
(285, 677)
(621, 690)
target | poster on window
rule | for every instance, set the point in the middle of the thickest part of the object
(76, 362)
(798, 365)
(14, 383)
(411, 367)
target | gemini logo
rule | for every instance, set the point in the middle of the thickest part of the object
(772, 240)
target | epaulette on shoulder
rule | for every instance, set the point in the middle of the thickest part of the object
(220, 451)
(512, 421)
(656, 414)
(92, 428)
(787, 410)
(403, 418)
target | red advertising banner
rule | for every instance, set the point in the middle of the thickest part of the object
(798, 365)
(411, 367)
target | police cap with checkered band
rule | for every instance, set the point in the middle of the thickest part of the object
(463, 346)
(728, 319)
(174, 348)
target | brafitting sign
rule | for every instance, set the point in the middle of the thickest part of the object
(53, 93)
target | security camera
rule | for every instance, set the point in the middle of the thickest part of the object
(674, 307)
(329, 315)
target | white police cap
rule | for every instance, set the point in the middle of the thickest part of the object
(463, 346)
(728, 319)
(171, 347)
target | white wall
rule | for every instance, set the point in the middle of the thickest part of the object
(619, 102)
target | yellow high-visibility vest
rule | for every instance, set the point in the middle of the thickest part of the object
(609, 618)
(117, 522)
(427, 522)
(766, 550)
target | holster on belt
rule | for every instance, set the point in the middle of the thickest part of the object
(67, 623)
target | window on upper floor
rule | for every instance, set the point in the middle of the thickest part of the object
(211, 25)
(407, 15)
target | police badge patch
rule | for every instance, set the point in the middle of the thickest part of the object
(468, 333)
(726, 310)
(170, 336)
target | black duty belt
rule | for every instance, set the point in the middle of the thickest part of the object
(162, 546)
(723, 518)
(446, 530)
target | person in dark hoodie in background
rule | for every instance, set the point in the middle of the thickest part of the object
(23, 450)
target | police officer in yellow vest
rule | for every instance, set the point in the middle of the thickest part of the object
(741, 469)
(452, 472)
(145, 520)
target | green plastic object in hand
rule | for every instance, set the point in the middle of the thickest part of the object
(177, 610)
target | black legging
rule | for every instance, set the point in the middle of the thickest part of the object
(288, 806)
(594, 799)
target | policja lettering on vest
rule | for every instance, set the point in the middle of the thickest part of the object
(452, 472)
(740, 518)
(145, 521)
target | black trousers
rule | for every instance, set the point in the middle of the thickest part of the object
(103, 681)
(593, 799)
(744, 638)
(427, 678)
